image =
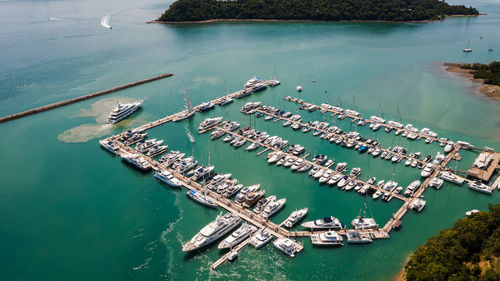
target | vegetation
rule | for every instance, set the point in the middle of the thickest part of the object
(467, 251)
(331, 10)
(489, 72)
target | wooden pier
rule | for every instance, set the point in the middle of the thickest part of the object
(81, 98)
(225, 257)
(486, 174)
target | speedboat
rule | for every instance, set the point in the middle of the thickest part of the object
(213, 231)
(261, 238)
(237, 236)
(167, 177)
(357, 237)
(286, 245)
(377, 194)
(272, 208)
(324, 223)
(343, 182)
(295, 217)
(328, 238)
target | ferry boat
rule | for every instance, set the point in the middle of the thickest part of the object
(213, 231)
(110, 146)
(286, 245)
(272, 208)
(137, 161)
(201, 198)
(123, 111)
(451, 177)
(261, 238)
(324, 223)
(357, 237)
(295, 217)
(167, 177)
(237, 236)
(329, 238)
(479, 186)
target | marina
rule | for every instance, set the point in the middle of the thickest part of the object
(279, 151)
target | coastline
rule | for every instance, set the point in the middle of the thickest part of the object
(278, 20)
(486, 90)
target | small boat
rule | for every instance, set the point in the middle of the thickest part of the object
(471, 212)
(206, 106)
(286, 245)
(201, 198)
(261, 238)
(377, 194)
(262, 203)
(246, 190)
(299, 88)
(295, 217)
(427, 171)
(328, 238)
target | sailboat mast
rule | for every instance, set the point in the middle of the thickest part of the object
(188, 100)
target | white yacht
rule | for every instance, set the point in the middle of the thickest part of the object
(286, 246)
(362, 222)
(449, 147)
(324, 223)
(299, 88)
(479, 186)
(262, 203)
(295, 217)
(237, 236)
(167, 177)
(436, 183)
(209, 123)
(328, 238)
(272, 208)
(451, 177)
(123, 111)
(357, 237)
(246, 190)
(412, 187)
(213, 231)
(110, 146)
(137, 161)
(427, 171)
(261, 238)
(377, 194)
(417, 204)
(201, 198)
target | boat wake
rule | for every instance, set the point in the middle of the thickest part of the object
(54, 19)
(188, 133)
(165, 240)
(105, 21)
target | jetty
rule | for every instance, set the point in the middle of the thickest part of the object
(485, 166)
(81, 98)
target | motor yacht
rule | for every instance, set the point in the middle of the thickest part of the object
(328, 238)
(213, 231)
(324, 223)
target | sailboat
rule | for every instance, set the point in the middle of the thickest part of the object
(467, 48)
(105, 22)
(362, 222)
(188, 112)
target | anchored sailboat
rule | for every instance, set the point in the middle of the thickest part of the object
(189, 111)
(467, 48)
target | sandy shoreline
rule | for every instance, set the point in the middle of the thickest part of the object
(489, 91)
(276, 20)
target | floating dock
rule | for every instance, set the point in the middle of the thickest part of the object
(486, 173)
(81, 98)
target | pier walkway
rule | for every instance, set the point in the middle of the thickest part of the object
(81, 98)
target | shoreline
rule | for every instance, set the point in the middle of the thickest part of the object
(279, 20)
(485, 90)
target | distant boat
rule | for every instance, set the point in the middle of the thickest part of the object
(467, 48)
(105, 22)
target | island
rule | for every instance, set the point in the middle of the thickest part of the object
(486, 74)
(313, 10)
(470, 250)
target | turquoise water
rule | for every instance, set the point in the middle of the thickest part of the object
(69, 210)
